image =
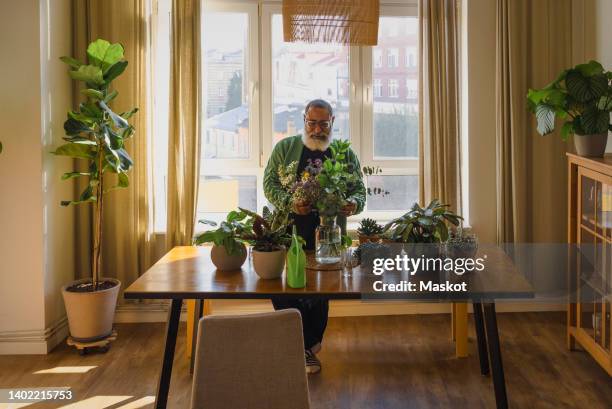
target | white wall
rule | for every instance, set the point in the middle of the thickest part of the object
(36, 248)
(56, 99)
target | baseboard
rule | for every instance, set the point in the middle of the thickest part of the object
(33, 342)
(157, 312)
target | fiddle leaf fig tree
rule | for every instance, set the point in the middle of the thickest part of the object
(96, 135)
(580, 96)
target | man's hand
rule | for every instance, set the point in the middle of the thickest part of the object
(302, 208)
(348, 209)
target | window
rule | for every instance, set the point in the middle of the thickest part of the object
(392, 57)
(412, 88)
(411, 57)
(395, 122)
(377, 88)
(255, 87)
(304, 72)
(378, 59)
(393, 89)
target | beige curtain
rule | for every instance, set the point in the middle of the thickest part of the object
(184, 139)
(352, 22)
(439, 138)
(128, 239)
(533, 47)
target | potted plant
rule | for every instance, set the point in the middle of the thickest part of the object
(461, 243)
(422, 229)
(270, 240)
(369, 231)
(96, 135)
(336, 178)
(582, 98)
(228, 252)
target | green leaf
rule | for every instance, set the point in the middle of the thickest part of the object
(590, 69)
(123, 180)
(605, 103)
(567, 130)
(110, 96)
(92, 93)
(115, 71)
(71, 62)
(125, 160)
(86, 196)
(71, 175)
(89, 74)
(72, 127)
(128, 114)
(74, 150)
(584, 88)
(595, 121)
(545, 116)
(104, 54)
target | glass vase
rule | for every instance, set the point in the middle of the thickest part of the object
(328, 241)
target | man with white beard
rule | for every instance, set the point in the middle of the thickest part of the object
(312, 146)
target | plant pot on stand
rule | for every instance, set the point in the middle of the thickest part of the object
(91, 313)
(591, 145)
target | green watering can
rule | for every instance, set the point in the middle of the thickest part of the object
(296, 263)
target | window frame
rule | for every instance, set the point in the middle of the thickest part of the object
(220, 166)
(260, 70)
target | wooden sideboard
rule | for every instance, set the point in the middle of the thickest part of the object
(590, 272)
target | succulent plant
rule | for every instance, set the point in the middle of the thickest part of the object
(366, 252)
(461, 243)
(369, 227)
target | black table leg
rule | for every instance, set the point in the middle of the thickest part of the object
(174, 314)
(198, 311)
(499, 383)
(481, 338)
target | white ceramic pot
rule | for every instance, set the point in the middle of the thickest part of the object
(226, 262)
(269, 264)
(91, 314)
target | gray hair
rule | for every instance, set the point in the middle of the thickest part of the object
(319, 103)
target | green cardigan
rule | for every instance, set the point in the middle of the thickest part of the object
(289, 150)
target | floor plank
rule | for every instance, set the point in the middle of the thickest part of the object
(368, 362)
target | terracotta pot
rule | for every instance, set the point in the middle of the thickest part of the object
(591, 145)
(375, 238)
(91, 314)
(269, 264)
(226, 262)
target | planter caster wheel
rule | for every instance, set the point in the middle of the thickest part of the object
(83, 351)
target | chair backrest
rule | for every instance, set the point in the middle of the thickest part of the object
(250, 362)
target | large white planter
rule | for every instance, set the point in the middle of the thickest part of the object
(269, 264)
(91, 314)
(226, 262)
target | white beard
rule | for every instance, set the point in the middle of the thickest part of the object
(315, 144)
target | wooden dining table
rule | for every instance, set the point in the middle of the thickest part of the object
(187, 273)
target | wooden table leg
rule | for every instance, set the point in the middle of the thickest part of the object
(174, 315)
(497, 368)
(453, 321)
(198, 312)
(481, 339)
(461, 330)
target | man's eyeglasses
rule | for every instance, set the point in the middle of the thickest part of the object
(322, 124)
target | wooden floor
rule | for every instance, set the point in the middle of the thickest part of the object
(368, 362)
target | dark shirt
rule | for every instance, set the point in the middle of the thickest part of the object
(306, 225)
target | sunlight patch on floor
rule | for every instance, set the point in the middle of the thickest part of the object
(14, 405)
(98, 402)
(66, 369)
(139, 403)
